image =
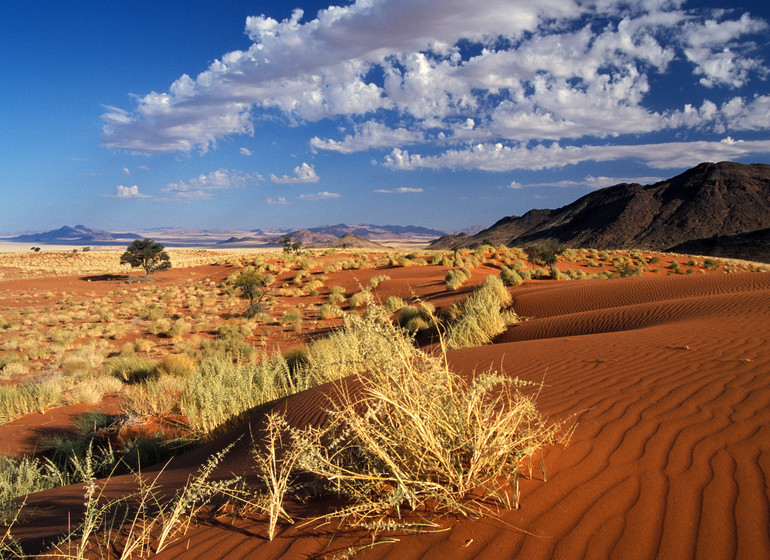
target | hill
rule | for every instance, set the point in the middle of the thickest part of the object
(373, 232)
(711, 200)
(352, 241)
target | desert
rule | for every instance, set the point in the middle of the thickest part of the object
(385, 279)
(654, 370)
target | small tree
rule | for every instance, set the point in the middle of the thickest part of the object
(254, 287)
(146, 254)
(288, 246)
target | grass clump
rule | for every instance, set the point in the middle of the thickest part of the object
(130, 368)
(456, 277)
(220, 390)
(19, 477)
(481, 316)
(19, 400)
(419, 435)
(329, 311)
(510, 277)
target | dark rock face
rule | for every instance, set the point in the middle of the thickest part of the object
(710, 200)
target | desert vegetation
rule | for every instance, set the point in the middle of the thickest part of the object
(188, 354)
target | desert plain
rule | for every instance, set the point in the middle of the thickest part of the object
(656, 367)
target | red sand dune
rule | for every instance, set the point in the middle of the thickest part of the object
(669, 381)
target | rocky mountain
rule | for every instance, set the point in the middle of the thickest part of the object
(751, 246)
(79, 234)
(353, 241)
(373, 232)
(707, 201)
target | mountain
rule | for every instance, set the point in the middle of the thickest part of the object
(353, 241)
(707, 201)
(373, 232)
(750, 246)
(75, 235)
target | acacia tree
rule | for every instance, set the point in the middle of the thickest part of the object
(255, 287)
(146, 254)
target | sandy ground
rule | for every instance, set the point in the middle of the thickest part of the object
(668, 380)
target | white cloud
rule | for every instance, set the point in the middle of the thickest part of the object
(466, 74)
(127, 171)
(319, 196)
(304, 173)
(589, 181)
(245, 152)
(499, 157)
(369, 135)
(123, 192)
(201, 187)
(399, 190)
(715, 47)
(277, 201)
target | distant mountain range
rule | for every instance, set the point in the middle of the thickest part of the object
(79, 234)
(705, 207)
(326, 234)
(82, 235)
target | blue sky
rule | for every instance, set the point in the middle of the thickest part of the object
(441, 113)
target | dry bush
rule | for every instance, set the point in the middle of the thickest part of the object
(177, 365)
(419, 435)
(481, 316)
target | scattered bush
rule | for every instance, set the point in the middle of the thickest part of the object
(545, 253)
(510, 277)
(456, 277)
(131, 368)
(481, 316)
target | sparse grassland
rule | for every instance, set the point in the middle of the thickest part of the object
(180, 347)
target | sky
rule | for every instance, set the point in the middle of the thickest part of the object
(441, 113)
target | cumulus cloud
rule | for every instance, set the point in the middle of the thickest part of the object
(399, 190)
(124, 192)
(245, 152)
(127, 171)
(470, 75)
(201, 187)
(319, 196)
(304, 173)
(369, 135)
(499, 157)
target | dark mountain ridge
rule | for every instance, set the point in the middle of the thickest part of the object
(711, 199)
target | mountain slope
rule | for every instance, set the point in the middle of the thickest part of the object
(712, 199)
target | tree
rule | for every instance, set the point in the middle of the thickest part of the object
(254, 287)
(288, 246)
(146, 254)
